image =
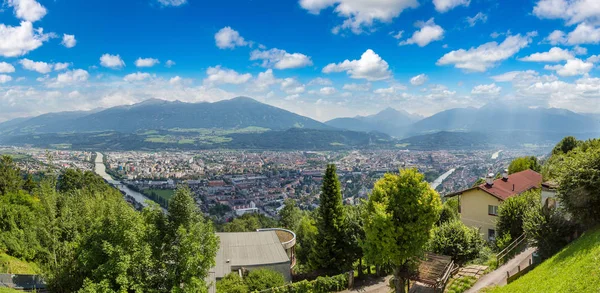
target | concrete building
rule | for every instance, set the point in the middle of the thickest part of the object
(478, 206)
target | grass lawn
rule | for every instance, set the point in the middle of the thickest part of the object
(12, 265)
(9, 290)
(164, 193)
(574, 269)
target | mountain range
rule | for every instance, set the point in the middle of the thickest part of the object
(243, 122)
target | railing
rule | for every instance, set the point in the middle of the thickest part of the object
(501, 257)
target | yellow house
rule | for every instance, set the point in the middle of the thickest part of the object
(478, 206)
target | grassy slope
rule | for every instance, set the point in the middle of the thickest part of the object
(12, 265)
(8, 290)
(575, 269)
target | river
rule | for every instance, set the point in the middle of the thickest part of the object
(441, 179)
(101, 170)
(496, 154)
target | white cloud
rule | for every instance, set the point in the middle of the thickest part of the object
(170, 63)
(70, 77)
(291, 86)
(572, 11)
(28, 10)
(556, 37)
(580, 50)
(554, 55)
(486, 89)
(146, 62)
(264, 81)
(327, 91)
(573, 67)
(485, 56)
(5, 78)
(320, 81)
(228, 38)
(217, 75)
(41, 67)
(428, 33)
(175, 80)
(390, 90)
(69, 41)
(397, 35)
(479, 17)
(584, 34)
(280, 59)
(419, 79)
(445, 5)
(360, 14)
(61, 66)
(172, 2)
(593, 59)
(370, 66)
(355, 87)
(112, 61)
(138, 76)
(19, 40)
(6, 67)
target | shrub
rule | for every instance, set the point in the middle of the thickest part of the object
(548, 230)
(512, 211)
(262, 279)
(320, 285)
(232, 283)
(449, 211)
(456, 240)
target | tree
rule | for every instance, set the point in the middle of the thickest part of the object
(306, 235)
(398, 218)
(10, 180)
(328, 253)
(262, 279)
(578, 175)
(512, 211)
(524, 163)
(232, 283)
(566, 145)
(548, 230)
(455, 239)
(290, 215)
(355, 235)
(449, 211)
(249, 223)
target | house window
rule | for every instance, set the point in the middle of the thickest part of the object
(492, 210)
(491, 234)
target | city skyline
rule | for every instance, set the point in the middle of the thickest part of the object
(308, 56)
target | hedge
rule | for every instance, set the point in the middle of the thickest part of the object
(320, 285)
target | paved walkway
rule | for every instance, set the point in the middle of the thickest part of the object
(498, 277)
(379, 285)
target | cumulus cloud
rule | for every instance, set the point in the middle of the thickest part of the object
(19, 40)
(218, 75)
(479, 17)
(138, 76)
(370, 66)
(486, 89)
(61, 66)
(228, 38)
(40, 67)
(28, 10)
(291, 86)
(554, 55)
(572, 11)
(320, 81)
(112, 61)
(175, 80)
(485, 56)
(419, 79)
(327, 91)
(5, 78)
(428, 33)
(356, 87)
(170, 63)
(446, 5)
(174, 3)
(280, 59)
(360, 14)
(573, 67)
(70, 78)
(69, 41)
(6, 67)
(146, 62)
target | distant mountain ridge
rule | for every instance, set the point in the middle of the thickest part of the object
(389, 121)
(239, 112)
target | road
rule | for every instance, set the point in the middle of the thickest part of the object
(498, 277)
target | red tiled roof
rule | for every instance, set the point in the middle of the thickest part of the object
(517, 183)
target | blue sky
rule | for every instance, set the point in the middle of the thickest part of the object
(320, 58)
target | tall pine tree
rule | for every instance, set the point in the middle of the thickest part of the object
(329, 252)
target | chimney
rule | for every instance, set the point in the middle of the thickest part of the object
(489, 179)
(505, 175)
